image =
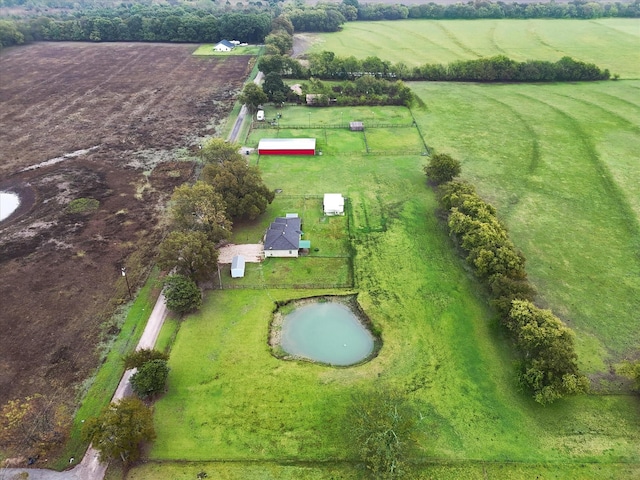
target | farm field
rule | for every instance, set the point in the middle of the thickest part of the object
(128, 115)
(566, 181)
(230, 400)
(560, 163)
(610, 43)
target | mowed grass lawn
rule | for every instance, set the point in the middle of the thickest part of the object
(562, 165)
(229, 399)
(608, 42)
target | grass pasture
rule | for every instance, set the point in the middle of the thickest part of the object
(416, 42)
(232, 407)
(560, 162)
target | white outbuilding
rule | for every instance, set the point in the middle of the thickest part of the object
(237, 267)
(333, 204)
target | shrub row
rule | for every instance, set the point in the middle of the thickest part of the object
(548, 366)
(327, 65)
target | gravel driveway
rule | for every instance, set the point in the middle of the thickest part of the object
(252, 252)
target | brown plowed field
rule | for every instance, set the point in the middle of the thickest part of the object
(133, 105)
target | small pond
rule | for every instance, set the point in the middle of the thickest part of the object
(9, 202)
(326, 332)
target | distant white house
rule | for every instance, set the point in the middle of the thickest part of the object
(223, 46)
(333, 204)
(237, 266)
(235, 42)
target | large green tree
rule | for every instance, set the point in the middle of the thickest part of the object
(150, 379)
(382, 427)
(140, 357)
(241, 186)
(200, 208)
(549, 366)
(182, 294)
(275, 88)
(252, 96)
(442, 168)
(120, 429)
(217, 150)
(281, 40)
(191, 253)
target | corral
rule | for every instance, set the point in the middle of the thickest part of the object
(132, 114)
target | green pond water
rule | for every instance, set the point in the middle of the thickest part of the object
(326, 332)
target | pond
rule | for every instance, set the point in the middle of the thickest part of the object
(9, 202)
(326, 332)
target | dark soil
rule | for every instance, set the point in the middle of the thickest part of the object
(61, 281)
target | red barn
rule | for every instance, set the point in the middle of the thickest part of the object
(287, 146)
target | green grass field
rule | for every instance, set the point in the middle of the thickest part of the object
(560, 163)
(229, 399)
(609, 42)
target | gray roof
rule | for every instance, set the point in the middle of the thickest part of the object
(226, 43)
(283, 234)
(237, 262)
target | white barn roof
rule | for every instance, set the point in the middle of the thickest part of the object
(287, 144)
(333, 203)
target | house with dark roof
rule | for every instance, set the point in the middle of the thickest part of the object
(283, 238)
(223, 46)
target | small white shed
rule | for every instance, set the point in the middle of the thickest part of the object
(237, 267)
(333, 204)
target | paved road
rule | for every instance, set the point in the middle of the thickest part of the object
(90, 467)
(235, 131)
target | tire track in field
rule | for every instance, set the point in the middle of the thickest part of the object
(494, 42)
(620, 99)
(534, 163)
(634, 127)
(606, 178)
(538, 38)
(456, 41)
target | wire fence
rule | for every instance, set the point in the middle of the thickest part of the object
(287, 286)
(339, 126)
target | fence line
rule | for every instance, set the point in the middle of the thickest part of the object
(344, 126)
(285, 286)
(424, 142)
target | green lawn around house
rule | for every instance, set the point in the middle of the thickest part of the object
(207, 50)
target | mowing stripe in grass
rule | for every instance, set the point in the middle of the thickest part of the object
(456, 41)
(610, 186)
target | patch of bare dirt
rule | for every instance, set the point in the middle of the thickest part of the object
(141, 106)
(252, 252)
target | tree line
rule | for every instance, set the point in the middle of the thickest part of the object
(201, 218)
(140, 23)
(208, 23)
(329, 66)
(548, 361)
(581, 9)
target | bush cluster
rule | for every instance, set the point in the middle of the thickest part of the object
(363, 91)
(546, 346)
